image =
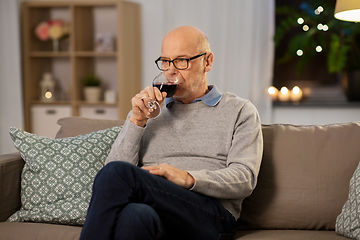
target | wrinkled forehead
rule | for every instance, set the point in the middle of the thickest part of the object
(176, 45)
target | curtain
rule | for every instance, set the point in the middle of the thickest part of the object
(11, 110)
(240, 34)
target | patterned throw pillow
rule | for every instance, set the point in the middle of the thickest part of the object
(57, 179)
(348, 222)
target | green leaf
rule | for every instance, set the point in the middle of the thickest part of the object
(337, 55)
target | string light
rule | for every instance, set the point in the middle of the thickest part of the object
(318, 48)
(320, 27)
(319, 10)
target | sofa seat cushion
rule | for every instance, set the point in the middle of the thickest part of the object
(38, 231)
(287, 235)
(43, 231)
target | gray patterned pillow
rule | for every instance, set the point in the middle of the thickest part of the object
(56, 182)
(348, 222)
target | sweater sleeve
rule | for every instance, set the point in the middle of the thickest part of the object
(239, 178)
(127, 144)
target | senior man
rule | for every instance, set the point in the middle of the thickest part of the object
(184, 174)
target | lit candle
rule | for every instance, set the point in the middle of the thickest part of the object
(296, 94)
(284, 94)
(48, 95)
(47, 85)
(273, 92)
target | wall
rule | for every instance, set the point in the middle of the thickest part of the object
(11, 110)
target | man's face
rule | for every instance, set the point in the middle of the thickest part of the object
(191, 80)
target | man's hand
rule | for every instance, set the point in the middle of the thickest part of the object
(139, 110)
(175, 175)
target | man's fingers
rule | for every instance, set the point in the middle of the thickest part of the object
(155, 169)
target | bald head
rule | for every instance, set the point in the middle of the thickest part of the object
(187, 37)
(190, 44)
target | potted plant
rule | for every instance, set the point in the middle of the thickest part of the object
(92, 89)
(310, 29)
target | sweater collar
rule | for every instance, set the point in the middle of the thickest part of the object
(212, 98)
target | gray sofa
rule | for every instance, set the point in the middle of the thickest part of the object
(303, 184)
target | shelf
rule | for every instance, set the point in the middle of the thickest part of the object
(78, 103)
(95, 54)
(38, 102)
(84, 103)
(68, 54)
(103, 25)
(49, 54)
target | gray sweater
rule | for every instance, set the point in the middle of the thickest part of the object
(220, 146)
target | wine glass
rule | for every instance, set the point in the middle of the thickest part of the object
(165, 83)
(152, 106)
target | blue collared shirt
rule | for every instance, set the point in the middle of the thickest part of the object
(212, 98)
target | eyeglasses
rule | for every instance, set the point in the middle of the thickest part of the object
(179, 63)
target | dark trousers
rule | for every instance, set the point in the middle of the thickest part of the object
(130, 203)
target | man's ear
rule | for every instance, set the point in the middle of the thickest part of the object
(209, 60)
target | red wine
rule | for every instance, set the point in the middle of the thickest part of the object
(169, 88)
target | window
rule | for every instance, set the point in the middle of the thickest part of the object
(304, 31)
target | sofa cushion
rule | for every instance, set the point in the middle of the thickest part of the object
(348, 222)
(38, 231)
(57, 178)
(287, 235)
(73, 126)
(304, 176)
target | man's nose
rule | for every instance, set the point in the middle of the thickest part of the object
(172, 74)
(172, 69)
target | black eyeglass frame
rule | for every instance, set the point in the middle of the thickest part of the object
(172, 61)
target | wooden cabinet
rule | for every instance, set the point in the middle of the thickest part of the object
(44, 118)
(119, 69)
(99, 112)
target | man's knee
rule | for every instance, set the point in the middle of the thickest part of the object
(141, 213)
(111, 173)
(113, 169)
(143, 218)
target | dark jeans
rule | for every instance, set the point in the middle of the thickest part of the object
(130, 203)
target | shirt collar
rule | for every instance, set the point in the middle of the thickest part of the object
(212, 98)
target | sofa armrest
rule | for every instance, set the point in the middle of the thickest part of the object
(11, 166)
